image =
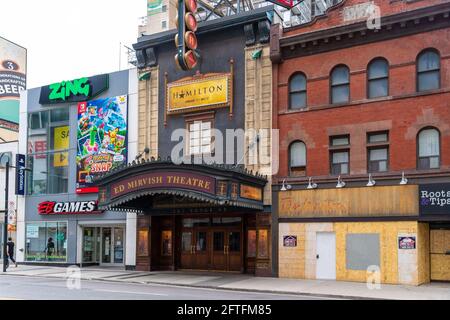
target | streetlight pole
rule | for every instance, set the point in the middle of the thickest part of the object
(5, 226)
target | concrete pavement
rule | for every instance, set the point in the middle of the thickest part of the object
(240, 282)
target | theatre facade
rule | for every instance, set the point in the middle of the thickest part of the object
(199, 194)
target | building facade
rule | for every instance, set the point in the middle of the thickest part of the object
(201, 198)
(70, 132)
(361, 105)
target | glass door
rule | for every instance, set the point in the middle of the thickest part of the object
(89, 245)
(118, 245)
(106, 245)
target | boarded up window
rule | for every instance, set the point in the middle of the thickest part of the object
(362, 250)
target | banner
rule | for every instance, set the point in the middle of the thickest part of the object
(12, 79)
(154, 7)
(102, 139)
(20, 174)
(61, 142)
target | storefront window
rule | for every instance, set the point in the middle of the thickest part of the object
(48, 144)
(46, 241)
(166, 243)
(263, 243)
(143, 243)
(251, 243)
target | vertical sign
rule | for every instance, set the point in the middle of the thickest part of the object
(20, 174)
(12, 80)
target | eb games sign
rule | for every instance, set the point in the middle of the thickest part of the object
(75, 207)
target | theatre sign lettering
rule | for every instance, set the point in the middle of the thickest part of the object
(149, 186)
(181, 180)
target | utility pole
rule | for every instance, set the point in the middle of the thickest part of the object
(5, 226)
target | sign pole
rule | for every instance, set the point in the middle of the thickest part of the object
(5, 226)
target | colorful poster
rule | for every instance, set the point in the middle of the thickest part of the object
(102, 139)
(12, 79)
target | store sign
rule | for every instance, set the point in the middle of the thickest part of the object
(102, 139)
(250, 192)
(196, 94)
(407, 243)
(20, 174)
(289, 241)
(434, 199)
(75, 90)
(76, 207)
(181, 180)
(288, 4)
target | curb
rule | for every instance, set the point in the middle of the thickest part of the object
(308, 294)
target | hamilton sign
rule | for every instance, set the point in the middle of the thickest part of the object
(75, 207)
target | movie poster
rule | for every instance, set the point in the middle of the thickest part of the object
(102, 139)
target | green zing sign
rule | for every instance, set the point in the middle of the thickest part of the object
(77, 90)
(65, 89)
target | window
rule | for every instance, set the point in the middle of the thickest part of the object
(378, 152)
(164, 8)
(340, 155)
(200, 137)
(340, 85)
(164, 24)
(297, 158)
(428, 70)
(48, 146)
(429, 149)
(378, 78)
(46, 241)
(297, 91)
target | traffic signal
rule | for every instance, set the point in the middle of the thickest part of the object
(185, 39)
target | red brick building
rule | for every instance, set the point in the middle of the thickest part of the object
(351, 100)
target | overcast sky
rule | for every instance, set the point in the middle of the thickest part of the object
(70, 39)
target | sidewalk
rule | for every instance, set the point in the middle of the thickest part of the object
(338, 289)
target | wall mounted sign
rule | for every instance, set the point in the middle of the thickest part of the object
(20, 174)
(201, 92)
(407, 243)
(13, 69)
(434, 199)
(102, 139)
(250, 192)
(182, 180)
(77, 90)
(289, 241)
(76, 207)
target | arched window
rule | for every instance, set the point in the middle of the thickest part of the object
(378, 78)
(340, 84)
(297, 91)
(429, 149)
(297, 158)
(428, 70)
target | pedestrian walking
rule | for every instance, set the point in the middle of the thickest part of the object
(10, 245)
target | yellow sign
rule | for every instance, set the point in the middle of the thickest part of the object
(61, 142)
(250, 192)
(203, 93)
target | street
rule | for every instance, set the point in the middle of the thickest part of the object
(31, 288)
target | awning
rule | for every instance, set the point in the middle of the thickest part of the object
(158, 186)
